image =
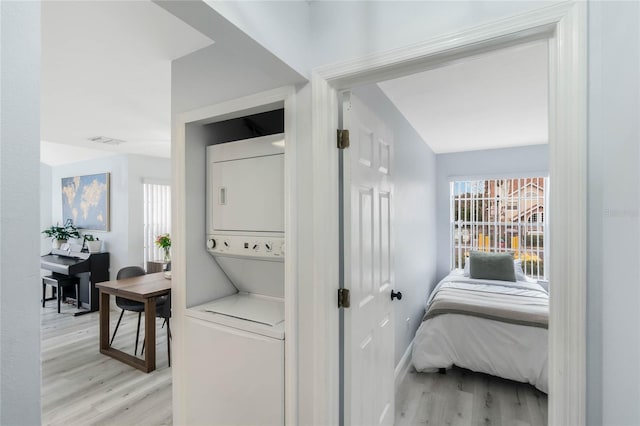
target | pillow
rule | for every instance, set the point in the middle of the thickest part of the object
(491, 266)
(517, 267)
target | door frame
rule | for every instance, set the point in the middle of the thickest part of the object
(564, 26)
(208, 114)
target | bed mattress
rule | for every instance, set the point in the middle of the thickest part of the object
(512, 345)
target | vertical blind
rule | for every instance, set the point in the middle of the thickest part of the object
(500, 215)
(157, 218)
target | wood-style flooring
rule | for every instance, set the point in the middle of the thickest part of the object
(80, 386)
(462, 397)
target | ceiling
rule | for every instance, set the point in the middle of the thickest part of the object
(106, 71)
(494, 100)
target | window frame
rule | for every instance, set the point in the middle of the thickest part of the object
(489, 201)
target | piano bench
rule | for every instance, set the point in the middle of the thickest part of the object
(58, 282)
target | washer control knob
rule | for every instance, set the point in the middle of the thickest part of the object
(227, 243)
(256, 246)
(268, 246)
(211, 243)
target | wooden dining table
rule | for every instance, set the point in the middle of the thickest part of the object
(145, 289)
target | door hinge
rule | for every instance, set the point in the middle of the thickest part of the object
(344, 298)
(343, 138)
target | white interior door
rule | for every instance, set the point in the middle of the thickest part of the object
(368, 272)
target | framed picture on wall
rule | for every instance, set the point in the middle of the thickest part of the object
(85, 200)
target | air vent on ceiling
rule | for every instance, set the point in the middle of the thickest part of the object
(105, 140)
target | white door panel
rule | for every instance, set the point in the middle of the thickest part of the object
(367, 215)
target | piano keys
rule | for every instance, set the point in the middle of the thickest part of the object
(90, 268)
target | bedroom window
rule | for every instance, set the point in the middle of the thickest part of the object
(500, 215)
(157, 217)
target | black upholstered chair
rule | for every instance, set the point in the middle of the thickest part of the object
(132, 305)
(163, 310)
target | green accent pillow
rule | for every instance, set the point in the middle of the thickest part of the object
(491, 266)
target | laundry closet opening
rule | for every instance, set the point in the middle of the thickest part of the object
(234, 322)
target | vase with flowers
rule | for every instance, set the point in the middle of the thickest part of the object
(164, 242)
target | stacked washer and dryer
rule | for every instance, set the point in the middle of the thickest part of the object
(242, 335)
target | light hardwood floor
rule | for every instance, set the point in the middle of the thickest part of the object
(462, 397)
(80, 386)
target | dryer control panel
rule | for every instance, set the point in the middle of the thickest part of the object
(246, 246)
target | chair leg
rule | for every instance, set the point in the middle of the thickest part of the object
(168, 341)
(135, 351)
(44, 292)
(59, 299)
(116, 330)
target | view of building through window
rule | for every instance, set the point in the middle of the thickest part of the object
(500, 215)
(157, 218)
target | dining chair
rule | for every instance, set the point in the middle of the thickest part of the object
(131, 305)
(164, 311)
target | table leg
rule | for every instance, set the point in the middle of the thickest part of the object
(104, 320)
(150, 333)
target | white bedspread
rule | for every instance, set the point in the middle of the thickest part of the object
(512, 351)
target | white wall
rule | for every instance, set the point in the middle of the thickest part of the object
(613, 294)
(280, 26)
(124, 240)
(19, 214)
(508, 162)
(414, 217)
(45, 203)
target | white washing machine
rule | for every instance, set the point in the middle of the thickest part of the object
(236, 343)
(240, 341)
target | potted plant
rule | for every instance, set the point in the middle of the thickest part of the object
(92, 243)
(164, 242)
(61, 234)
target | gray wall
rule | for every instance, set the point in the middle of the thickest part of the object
(19, 216)
(508, 162)
(613, 214)
(414, 217)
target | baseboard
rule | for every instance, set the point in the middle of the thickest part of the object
(403, 366)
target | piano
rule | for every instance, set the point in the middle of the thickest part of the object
(90, 268)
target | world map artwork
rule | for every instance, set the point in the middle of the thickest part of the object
(85, 200)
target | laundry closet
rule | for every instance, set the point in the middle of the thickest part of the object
(234, 329)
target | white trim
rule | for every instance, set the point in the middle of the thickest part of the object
(284, 96)
(154, 181)
(564, 25)
(403, 366)
(325, 251)
(494, 176)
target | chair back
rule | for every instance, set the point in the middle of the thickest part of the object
(123, 303)
(130, 271)
(164, 306)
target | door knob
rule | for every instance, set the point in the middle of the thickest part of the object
(396, 295)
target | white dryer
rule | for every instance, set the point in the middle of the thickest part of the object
(236, 343)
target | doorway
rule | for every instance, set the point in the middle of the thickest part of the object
(563, 25)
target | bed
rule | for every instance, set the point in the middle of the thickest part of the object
(486, 325)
